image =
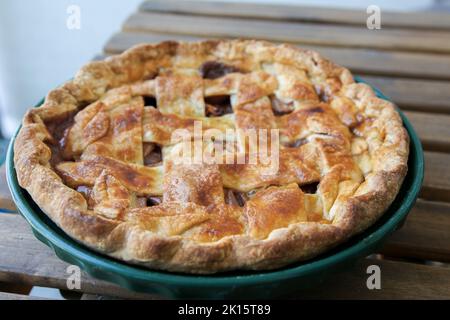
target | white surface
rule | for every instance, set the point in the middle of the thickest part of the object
(38, 51)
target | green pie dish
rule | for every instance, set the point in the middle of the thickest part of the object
(268, 284)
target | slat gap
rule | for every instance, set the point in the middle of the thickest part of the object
(296, 13)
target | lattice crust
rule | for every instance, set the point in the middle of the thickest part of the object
(88, 156)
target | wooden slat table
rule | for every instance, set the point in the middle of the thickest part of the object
(408, 60)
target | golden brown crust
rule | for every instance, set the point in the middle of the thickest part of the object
(359, 154)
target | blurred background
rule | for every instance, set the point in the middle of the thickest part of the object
(38, 51)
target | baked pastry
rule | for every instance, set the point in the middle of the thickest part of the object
(99, 159)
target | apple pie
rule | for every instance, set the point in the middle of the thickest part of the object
(100, 159)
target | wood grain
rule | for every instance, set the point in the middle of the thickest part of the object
(359, 60)
(436, 184)
(414, 94)
(25, 260)
(306, 33)
(422, 20)
(399, 280)
(433, 130)
(425, 234)
(36, 264)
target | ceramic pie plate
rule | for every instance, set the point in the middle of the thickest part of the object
(270, 284)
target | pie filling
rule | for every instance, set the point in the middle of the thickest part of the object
(118, 154)
(59, 129)
(215, 69)
(217, 106)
